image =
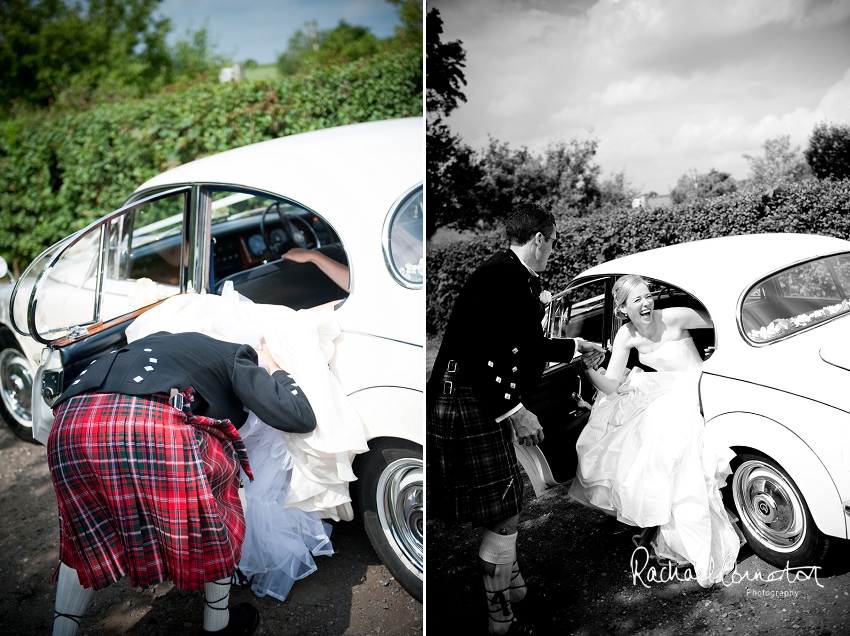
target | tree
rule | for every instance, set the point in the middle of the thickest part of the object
(828, 154)
(409, 34)
(451, 172)
(443, 74)
(452, 177)
(693, 185)
(617, 191)
(310, 47)
(780, 162)
(78, 55)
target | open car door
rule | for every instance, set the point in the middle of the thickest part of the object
(563, 399)
(79, 295)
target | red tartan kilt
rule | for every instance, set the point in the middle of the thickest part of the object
(145, 490)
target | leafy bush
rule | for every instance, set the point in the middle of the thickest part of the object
(812, 207)
(60, 171)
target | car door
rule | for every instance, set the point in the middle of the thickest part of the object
(78, 297)
(562, 401)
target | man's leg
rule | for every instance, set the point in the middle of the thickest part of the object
(496, 557)
(72, 599)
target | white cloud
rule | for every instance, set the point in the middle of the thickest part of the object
(835, 104)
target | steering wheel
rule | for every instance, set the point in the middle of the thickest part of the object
(277, 246)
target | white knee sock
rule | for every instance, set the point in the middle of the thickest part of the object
(216, 614)
(500, 551)
(71, 598)
(518, 587)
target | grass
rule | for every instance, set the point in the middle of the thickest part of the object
(264, 72)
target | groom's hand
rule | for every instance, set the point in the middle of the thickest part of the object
(585, 346)
(527, 428)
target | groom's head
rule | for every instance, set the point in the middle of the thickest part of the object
(532, 229)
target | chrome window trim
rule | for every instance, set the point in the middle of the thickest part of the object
(70, 242)
(385, 238)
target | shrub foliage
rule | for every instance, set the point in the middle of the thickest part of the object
(60, 171)
(812, 207)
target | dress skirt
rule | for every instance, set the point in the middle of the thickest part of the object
(146, 491)
(643, 457)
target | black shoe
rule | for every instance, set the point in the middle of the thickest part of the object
(244, 619)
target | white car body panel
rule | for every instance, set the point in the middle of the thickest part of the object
(798, 434)
(30, 347)
(364, 183)
(381, 408)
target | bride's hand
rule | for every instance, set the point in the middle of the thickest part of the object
(527, 428)
(593, 359)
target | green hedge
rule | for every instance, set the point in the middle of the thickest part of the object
(813, 207)
(60, 171)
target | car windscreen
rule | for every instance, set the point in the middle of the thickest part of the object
(797, 299)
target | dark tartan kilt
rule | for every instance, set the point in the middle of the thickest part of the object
(145, 490)
(473, 474)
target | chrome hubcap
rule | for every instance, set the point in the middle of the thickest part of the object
(770, 507)
(400, 499)
(16, 386)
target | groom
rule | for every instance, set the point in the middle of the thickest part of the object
(491, 358)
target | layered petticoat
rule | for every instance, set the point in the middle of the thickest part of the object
(280, 542)
(643, 457)
(299, 478)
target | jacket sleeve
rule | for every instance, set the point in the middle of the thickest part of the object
(276, 399)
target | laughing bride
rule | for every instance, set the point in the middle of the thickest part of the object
(642, 455)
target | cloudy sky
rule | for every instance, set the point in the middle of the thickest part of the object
(260, 29)
(665, 85)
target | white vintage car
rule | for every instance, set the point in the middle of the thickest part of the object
(352, 194)
(773, 387)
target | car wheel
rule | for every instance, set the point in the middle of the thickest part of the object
(774, 516)
(389, 493)
(15, 388)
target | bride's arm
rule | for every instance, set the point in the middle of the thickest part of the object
(613, 376)
(686, 318)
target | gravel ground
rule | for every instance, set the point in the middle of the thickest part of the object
(580, 560)
(351, 593)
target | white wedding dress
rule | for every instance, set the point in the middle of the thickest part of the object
(298, 479)
(643, 457)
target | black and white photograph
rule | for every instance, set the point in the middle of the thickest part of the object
(638, 292)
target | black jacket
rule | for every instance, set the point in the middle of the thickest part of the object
(496, 337)
(223, 375)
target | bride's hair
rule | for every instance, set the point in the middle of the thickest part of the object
(622, 288)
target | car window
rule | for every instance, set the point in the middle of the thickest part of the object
(250, 231)
(125, 262)
(404, 240)
(578, 313)
(797, 298)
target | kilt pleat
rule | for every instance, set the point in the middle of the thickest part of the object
(145, 490)
(473, 473)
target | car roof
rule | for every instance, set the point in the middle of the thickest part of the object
(718, 270)
(351, 176)
(325, 170)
